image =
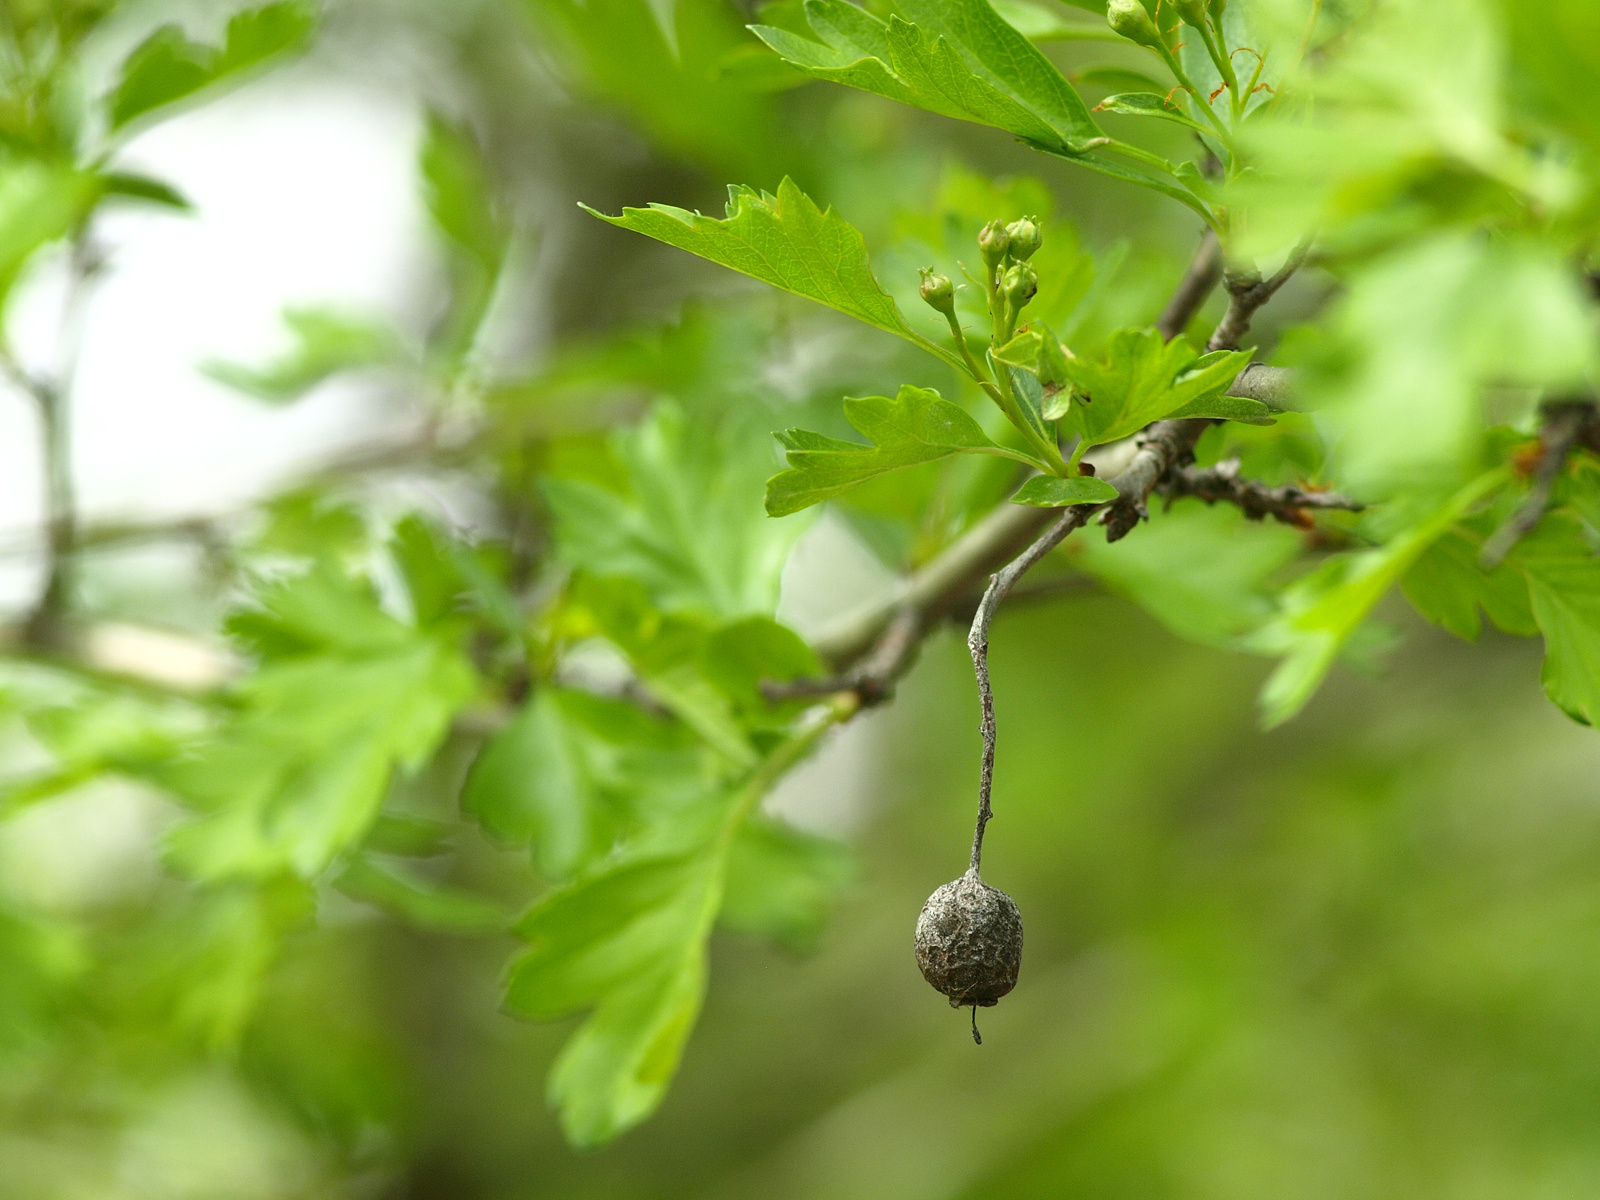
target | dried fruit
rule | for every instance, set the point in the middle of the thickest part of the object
(969, 942)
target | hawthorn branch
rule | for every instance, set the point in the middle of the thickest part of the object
(1567, 424)
(1166, 447)
(1290, 505)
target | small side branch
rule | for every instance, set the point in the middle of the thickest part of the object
(872, 679)
(1247, 292)
(1567, 424)
(1290, 505)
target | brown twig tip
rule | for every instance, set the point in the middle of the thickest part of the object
(873, 677)
(1567, 424)
(1290, 505)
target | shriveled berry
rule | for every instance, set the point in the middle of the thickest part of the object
(969, 942)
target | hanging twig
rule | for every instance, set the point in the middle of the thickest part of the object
(978, 645)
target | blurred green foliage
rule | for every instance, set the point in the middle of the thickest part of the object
(267, 934)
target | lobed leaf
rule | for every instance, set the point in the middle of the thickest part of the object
(958, 58)
(1144, 378)
(917, 426)
(1449, 587)
(627, 942)
(1322, 612)
(787, 241)
(167, 67)
(1564, 585)
(1050, 491)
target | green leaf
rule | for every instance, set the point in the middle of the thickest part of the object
(628, 942)
(1149, 104)
(1417, 337)
(418, 903)
(87, 728)
(958, 58)
(346, 697)
(787, 241)
(917, 426)
(326, 343)
(691, 529)
(1050, 491)
(1221, 407)
(1040, 24)
(1564, 584)
(1117, 169)
(409, 836)
(459, 193)
(40, 203)
(781, 883)
(167, 67)
(739, 657)
(1448, 587)
(1144, 378)
(1321, 612)
(572, 773)
(129, 186)
(1204, 572)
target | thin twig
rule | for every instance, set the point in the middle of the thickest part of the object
(1290, 505)
(873, 677)
(46, 626)
(978, 644)
(1565, 425)
(1247, 292)
(1198, 282)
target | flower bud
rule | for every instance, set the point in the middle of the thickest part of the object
(938, 292)
(1216, 9)
(1019, 284)
(1193, 12)
(1129, 18)
(1025, 238)
(995, 243)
